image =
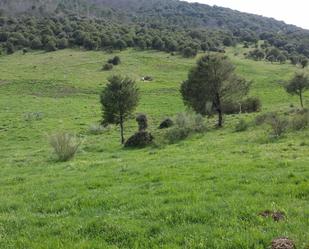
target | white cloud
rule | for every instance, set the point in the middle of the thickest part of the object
(292, 12)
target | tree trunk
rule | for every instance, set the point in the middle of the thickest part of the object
(301, 99)
(220, 117)
(219, 110)
(121, 130)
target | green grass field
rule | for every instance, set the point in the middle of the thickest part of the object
(203, 192)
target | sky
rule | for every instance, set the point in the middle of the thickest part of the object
(292, 12)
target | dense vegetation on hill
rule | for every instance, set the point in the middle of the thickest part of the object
(163, 25)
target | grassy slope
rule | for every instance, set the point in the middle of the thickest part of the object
(204, 192)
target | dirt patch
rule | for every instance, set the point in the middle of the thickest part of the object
(275, 215)
(282, 243)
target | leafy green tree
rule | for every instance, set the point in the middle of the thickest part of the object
(297, 86)
(271, 58)
(213, 81)
(50, 45)
(36, 43)
(90, 43)
(10, 49)
(304, 62)
(281, 58)
(189, 52)
(157, 43)
(119, 99)
(62, 43)
(120, 44)
(294, 59)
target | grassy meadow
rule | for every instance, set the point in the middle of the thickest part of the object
(203, 192)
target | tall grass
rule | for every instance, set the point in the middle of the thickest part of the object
(65, 145)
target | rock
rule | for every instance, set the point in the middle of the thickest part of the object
(166, 123)
(139, 140)
(282, 243)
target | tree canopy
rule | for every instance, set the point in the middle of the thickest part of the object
(210, 83)
(119, 99)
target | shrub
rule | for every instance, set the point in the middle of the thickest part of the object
(252, 104)
(139, 139)
(115, 61)
(107, 67)
(185, 124)
(189, 52)
(242, 125)
(261, 119)
(300, 121)
(166, 123)
(142, 122)
(96, 129)
(176, 134)
(249, 105)
(65, 145)
(278, 125)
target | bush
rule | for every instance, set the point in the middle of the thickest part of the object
(115, 61)
(107, 67)
(142, 122)
(300, 121)
(96, 129)
(185, 124)
(166, 123)
(139, 140)
(261, 119)
(249, 105)
(252, 104)
(241, 126)
(176, 134)
(278, 125)
(65, 145)
(189, 52)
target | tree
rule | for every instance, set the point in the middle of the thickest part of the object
(304, 62)
(50, 45)
(36, 43)
(120, 44)
(115, 61)
(62, 43)
(213, 81)
(281, 58)
(10, 49)
(297, 86)
(119, 99)
(189, 52)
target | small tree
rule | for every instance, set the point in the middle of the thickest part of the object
(119, 99)
(304, 62)
(213, 81)
(297, 86)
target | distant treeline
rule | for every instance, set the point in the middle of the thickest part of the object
(171, 26)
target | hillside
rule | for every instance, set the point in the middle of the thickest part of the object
(159, 24)
(181, 195)
(196, 185)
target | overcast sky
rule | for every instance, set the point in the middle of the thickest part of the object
(292, 12)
